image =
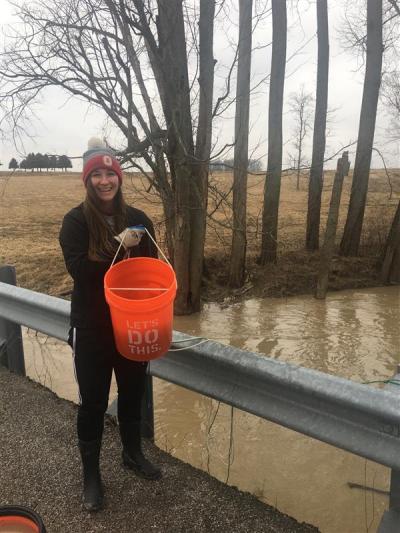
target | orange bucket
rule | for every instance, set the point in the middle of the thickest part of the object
(17, 524)
(18, 519)
(141, 293)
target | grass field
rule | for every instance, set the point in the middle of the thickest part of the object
(32, 207)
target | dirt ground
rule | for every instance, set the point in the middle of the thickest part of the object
(32, 206)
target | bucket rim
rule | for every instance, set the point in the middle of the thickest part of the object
(160, 301)
(22, 514)
(18, 520)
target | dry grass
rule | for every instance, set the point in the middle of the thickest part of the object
(32, 207)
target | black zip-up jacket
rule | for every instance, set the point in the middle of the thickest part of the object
(89, 308)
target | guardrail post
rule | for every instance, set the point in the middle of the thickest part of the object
(11, 347)
(390, 522)
(394, 500)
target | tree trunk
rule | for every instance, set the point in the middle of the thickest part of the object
(199, 189)
(390, 271)
(395, 270)
(180, 150)
(299, 154)
(352, 231)
(167, 199)
(241, 156)
(331, 226)
(319, 137)
(273, 178)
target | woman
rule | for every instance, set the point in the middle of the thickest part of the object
(90, 236)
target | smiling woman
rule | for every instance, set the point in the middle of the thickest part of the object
(89, 241)
(105, 184)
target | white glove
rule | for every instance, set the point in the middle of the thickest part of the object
(130, 237)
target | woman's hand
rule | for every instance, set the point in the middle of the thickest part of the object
(130, 237)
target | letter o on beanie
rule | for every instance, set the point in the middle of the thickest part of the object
(97, 156)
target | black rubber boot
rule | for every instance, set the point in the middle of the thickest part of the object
(132, 455)
(93, 493)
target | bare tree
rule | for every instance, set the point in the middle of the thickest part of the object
(273, 178)
(391, 97)
(300, 110)
(319, 136)
(391, 91)
(241, 157)
(100, 51)
(352, 231)
(203, 144)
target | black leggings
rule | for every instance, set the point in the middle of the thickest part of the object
(95, 357)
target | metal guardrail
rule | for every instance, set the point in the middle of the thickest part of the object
(351, 416)
(355, 417)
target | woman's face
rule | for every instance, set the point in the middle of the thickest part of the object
(105, 184)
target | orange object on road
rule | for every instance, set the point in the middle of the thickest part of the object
(141, 293)
(17, 524)
(19, 519)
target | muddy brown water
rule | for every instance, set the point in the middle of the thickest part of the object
(353, 334)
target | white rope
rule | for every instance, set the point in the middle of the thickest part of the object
(119, 247)
(148, 233)
(188, 340)
(158, 248)
(187, 347)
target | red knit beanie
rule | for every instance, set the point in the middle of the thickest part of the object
(99, 156)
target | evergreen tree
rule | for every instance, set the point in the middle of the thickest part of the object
(31, 162)
(40, 161)
(64, 162)
(13, 164)
(53, 162)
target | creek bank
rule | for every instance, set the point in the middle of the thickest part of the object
(295, 274)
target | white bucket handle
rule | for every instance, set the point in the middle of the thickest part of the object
(148, 233)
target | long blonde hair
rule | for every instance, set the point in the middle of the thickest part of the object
(102, 245)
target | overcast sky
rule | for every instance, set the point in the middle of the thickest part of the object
(66, 124)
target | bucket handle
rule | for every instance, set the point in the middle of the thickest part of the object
(138, 289)
(148, 233)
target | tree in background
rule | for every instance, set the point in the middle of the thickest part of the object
(300, 109)
(241, 155)
(13, 164)
(39, 161)
(53, 162)
(255, 165)
(30, 162)
(269, 241)
(391, 95)
(64, 163)
(373, 72)
(319, 134)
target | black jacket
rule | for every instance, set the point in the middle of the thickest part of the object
(88, 306)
